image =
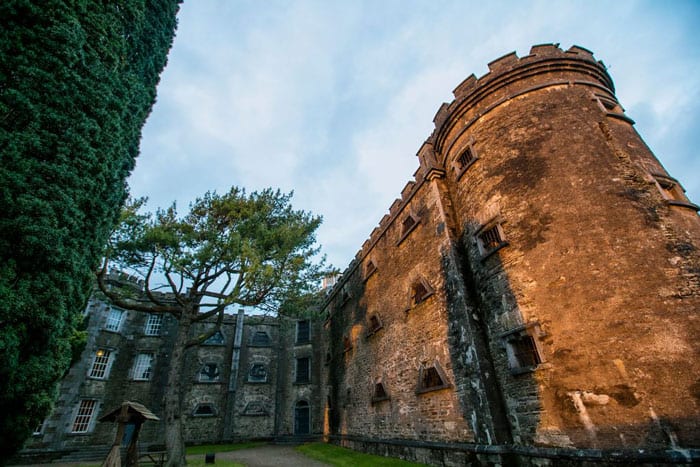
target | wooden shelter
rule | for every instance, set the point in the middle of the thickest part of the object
(129, 413)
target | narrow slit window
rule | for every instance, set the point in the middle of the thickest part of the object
(380, 393)
(431, 378)
(491, 240)
(522, 349)
(466, 158)
(347, 344)
(370, 269)
(420, 291)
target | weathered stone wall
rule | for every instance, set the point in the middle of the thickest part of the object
(563, 262)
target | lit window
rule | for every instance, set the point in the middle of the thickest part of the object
(491, 240)
(522, 348)
(101, 364)
(114, 319)
(209, 373)
(83, 417)
(153, 324)
(303, 370)
(257, 373)
(204, 410)
(143, 367)
(303, 332)
(431, 378)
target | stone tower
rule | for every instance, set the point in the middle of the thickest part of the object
(536, 285)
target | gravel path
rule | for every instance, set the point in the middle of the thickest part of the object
(270, 456)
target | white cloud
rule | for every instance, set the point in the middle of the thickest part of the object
(333, 100)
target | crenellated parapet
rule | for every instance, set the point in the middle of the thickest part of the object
(511, 76)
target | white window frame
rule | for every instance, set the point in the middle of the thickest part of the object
(101, 364)
(143, 367)
(83, 420)
(154, 324)
(114, 323)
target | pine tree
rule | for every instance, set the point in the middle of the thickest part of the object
(77, 81)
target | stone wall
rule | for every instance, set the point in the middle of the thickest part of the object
(561, 264)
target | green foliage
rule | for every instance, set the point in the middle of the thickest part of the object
(77, 81)
(246, 249)
(343, 457)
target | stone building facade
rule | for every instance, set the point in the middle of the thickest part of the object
(532, 294)
(256, 378)
(531, 298)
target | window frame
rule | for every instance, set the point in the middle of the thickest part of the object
(421, 388)
(84, 420)
(460, 167)
(494, 226)
(257, 381)
(109, 321)
(672, 191)
(301, 339)
(139, 365)
(307, 379)
(533, 332)
(214, 411)
(406, 231)
(215, 380)
(104, 365)
(153, 328)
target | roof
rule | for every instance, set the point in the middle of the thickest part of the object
(133, 409)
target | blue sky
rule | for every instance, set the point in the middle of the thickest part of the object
(333, 99)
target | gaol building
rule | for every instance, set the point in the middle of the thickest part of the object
(530, 298)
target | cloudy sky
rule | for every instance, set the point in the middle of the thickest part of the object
(333, 99)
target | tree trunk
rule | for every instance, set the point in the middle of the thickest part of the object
(174, 439)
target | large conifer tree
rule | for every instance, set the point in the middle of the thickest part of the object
(77, 81)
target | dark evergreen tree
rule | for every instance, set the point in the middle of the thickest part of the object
(77, 81)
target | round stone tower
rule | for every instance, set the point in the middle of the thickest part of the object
(581, 255)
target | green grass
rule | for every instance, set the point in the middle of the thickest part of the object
(205, 448)
(343, 457)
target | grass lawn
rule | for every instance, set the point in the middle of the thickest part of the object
(344, 457)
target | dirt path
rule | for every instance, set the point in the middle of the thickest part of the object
(270, 456)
